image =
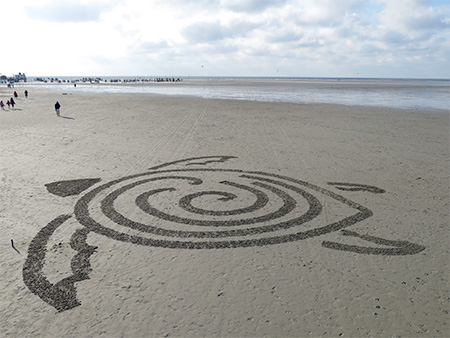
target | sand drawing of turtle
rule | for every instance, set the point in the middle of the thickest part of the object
(194, 204)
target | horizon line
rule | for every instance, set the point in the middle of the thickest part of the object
(240, 77)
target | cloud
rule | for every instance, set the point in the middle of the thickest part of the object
(68, 11)
(284, 37)
(204, 32)
(209, 32)
(414, 17)
(232, 37)
(250, 6)
(354, 33)
(323, 12)
(152, 47)
(394, 37)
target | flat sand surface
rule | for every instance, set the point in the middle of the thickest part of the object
(216, 218)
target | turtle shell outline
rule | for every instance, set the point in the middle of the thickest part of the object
(83, 217)
(63, 294)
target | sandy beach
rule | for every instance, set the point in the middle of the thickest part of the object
(189, 217)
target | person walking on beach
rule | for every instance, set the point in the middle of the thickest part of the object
(8, 103)
(26, 93)
(57, 107)
(11, 100)
(2, 105)
(15, 94)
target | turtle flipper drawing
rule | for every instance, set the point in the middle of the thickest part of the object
(194, 204)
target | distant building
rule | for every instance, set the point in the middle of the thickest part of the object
(20, 77)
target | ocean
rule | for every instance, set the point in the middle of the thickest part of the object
(415, 94)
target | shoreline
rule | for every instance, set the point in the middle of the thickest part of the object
(403, 96)
(59, 92)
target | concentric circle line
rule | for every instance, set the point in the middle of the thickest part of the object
(82, 215)
(261, 201)
(288, 205)
(107, 207)
(121, 220)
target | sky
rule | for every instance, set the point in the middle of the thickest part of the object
(298, 38)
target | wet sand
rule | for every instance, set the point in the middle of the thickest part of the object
(283, 220)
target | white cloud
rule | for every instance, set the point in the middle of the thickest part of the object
(251, 6)
(68, 11)
(230, 37)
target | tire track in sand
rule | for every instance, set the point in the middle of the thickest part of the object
(185, 129)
